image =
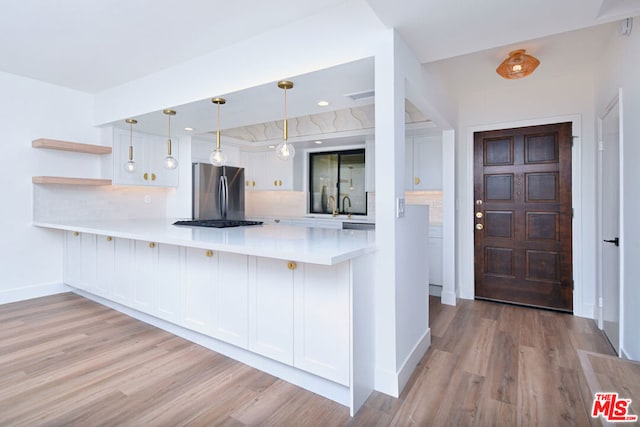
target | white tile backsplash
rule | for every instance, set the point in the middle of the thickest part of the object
(66, 202)
(431, 198)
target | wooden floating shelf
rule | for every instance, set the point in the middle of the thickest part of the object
(70, 181)
(75, 147)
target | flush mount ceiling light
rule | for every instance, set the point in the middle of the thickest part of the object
(284, 150)
(323, 103)
(130, 166)
(517, 65)
(217, 157)
(170, 162)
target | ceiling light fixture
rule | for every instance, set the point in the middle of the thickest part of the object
(517, 65)
(188, 129)
(217, 157)
(130, 166)
(170, 162)
(323, 103)
(284, 150)
(318, 142)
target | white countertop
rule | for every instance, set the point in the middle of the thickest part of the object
(288, 242)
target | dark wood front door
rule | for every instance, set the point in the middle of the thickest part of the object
(522, 189)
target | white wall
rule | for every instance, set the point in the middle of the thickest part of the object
(31, 258)
(539, 98)
(620, 69)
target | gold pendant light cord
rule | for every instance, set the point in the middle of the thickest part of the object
(218, 133)
(169, 139)
(130, 141)
(286, 123)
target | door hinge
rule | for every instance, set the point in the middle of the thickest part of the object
(573, 285)
(573, 213)
(600, 145)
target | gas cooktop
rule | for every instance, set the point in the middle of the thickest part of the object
(217, 223)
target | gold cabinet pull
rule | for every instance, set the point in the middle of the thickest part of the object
(280, 183)
(253, 183)
(75, 233)
(152, 245)
(275, 182)
(246, 183)
(416, 180)
(291, 265)
(109, 238)
(153, 177)
(209, 253)
(145, 176)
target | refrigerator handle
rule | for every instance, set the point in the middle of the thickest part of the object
(221, 197)
(225, 195)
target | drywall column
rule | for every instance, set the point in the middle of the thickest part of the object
(448, 214)
(401, 280)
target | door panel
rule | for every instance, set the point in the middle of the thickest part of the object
(523, 216)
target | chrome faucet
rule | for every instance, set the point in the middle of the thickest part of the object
(348, 211)
(331, 199)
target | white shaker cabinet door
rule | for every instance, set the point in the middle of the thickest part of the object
(88, 262)
(231, 302)
(72, 272)
(123, 279)
(322, 325)
(145, 259)
(105, 266)
(198, 290)
(167, 282)
(271, 309)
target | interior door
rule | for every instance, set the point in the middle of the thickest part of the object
(523, 215)
(610, 223)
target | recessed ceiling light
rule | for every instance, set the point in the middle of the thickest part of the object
(323, 103)
(272, 146)
(318, 142)
(188, 129)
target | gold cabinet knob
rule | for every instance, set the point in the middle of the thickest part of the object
(145, 176)
(153, 177)
(209, 253)
(75, 233)
(291, 265)
(416, 180)
(109, 238)
(253, 183)
(280, 183)
(275, 182)
(479, 215)
(479, 226)
(152, 245)
(246, 183)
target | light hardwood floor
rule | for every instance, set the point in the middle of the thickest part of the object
(65, 360)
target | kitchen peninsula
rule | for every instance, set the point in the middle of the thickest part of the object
(293, 301)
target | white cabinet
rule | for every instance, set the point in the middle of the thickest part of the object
(322, 321)
(72, 259)
(271, 309)
(149, 152)
(123, 271)
(144, 261)
(435, 256)
(231, 299)
(197, 291)
(423, 162)
(264, 171)
(167, 282)
(105, 265)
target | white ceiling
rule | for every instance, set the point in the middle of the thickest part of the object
(94, 45)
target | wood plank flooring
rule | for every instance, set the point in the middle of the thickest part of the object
(65, 360)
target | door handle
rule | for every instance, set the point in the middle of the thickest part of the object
(615, 241)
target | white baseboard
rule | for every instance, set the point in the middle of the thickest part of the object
(435, 290)
(28, 292)
(448, 298)
(588, 311)
(624, 354)
(392, 383)
(413, 359)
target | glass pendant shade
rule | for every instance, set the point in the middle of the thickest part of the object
(284, 150)
(130, 166)
(517, 65)
(170, 162)
(217, 157)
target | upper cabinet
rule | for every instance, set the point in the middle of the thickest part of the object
(264, 171)
(149, 152)
(424, 162)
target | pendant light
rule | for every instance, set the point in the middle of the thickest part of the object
(130, 166)
(217, 157)
(170, 162)
(284, 150)
(518, 65)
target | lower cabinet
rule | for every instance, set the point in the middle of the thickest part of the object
(297, 314)
(271, 309)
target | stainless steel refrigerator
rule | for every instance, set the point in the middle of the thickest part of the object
(218, 192)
